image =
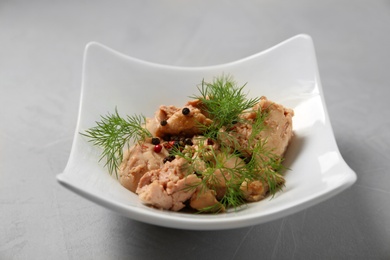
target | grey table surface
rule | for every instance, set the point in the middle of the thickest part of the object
(41, 51)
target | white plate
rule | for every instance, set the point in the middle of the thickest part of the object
(286, 73)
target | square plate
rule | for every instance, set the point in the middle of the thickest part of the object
(286, 73)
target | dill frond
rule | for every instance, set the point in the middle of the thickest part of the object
(113, 133)
(224, 101)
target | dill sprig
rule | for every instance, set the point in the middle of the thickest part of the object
(262, 165)
(265, 165)
(224, 101)
(113, 133)
(216, 174)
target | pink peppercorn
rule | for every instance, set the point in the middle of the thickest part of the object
(158, 148)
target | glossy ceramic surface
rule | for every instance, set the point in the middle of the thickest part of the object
(286, 73)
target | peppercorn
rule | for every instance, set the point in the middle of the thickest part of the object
(169, 158)
(168, 145)
(185, 111)
(158, 148)
(188, 141)
(155, 140)
(163, 122)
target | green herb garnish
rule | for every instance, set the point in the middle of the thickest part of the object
(113, 133)
(224, 102)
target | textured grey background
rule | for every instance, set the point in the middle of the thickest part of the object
(41, 48)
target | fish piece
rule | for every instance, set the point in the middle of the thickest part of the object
(138, 160)
(169, 187)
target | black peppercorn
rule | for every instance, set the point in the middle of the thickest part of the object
(155, 140)
(188, 141)
(163, 122)
(169, 158)
(185, 111)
